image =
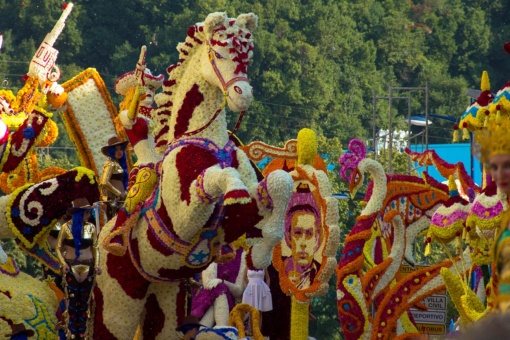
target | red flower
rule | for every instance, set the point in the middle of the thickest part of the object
(506, 47)
(24, 78)
(64, 6)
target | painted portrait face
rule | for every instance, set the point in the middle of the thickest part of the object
(303, 241)
(499, 166)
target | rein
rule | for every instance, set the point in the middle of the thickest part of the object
(225, 86)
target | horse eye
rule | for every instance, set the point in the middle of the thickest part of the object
(219, 56)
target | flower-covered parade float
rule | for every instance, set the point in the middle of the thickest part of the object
(197, 207)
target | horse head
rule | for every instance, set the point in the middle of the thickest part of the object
(229, 46)
(211, 72)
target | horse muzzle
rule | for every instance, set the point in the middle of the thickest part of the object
(239, 96)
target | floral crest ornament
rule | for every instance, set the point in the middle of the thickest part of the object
(207, 193)
(349, 161)
(398, 209)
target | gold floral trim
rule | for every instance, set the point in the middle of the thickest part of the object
(236, 319)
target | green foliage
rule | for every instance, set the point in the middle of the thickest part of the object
(25, 263)
(400, 162)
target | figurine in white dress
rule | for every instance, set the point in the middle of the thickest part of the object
(257, 293)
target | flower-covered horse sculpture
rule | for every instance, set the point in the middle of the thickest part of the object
(208, 194)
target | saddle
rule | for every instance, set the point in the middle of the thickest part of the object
(127, 218)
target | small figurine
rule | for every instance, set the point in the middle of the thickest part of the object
(77, 251)
(113, 184)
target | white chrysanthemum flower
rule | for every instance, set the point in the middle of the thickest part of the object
(3, 255)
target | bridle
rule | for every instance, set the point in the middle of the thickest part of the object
(225, 85)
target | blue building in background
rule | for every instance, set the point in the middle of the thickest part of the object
(452, 153)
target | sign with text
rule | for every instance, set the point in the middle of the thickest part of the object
(433, 320)
(435, 302)
(431, 329)
(431, 316)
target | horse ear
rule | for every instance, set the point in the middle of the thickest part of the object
(248, 21)
(214, 21)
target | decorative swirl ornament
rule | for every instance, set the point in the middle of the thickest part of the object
(256, 151)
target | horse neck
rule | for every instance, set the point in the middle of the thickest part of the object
(195, 103)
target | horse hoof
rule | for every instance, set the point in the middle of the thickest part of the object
(236, 197)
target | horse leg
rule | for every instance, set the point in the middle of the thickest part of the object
(226, 182)
(208, 318)
(164, 311)
(116, 315)
(119, 296)
(217, 314)
(221, 310)
(273, 195)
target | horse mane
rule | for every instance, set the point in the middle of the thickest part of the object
(234, 33)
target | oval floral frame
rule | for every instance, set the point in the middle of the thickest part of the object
(323, 263)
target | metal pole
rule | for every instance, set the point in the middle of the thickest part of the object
(471, 160)
(426, 116)
(426, 120)
(374, 138)
(390, 123)
(409, 129)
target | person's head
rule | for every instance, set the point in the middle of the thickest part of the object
(494, 326)
(117, 152)
(493, 149)
(189, 327)
(80, 213)
(499, 166)
(190, 331)
(115, 149)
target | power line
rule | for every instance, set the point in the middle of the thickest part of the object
(282, 105)
(14, 61)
